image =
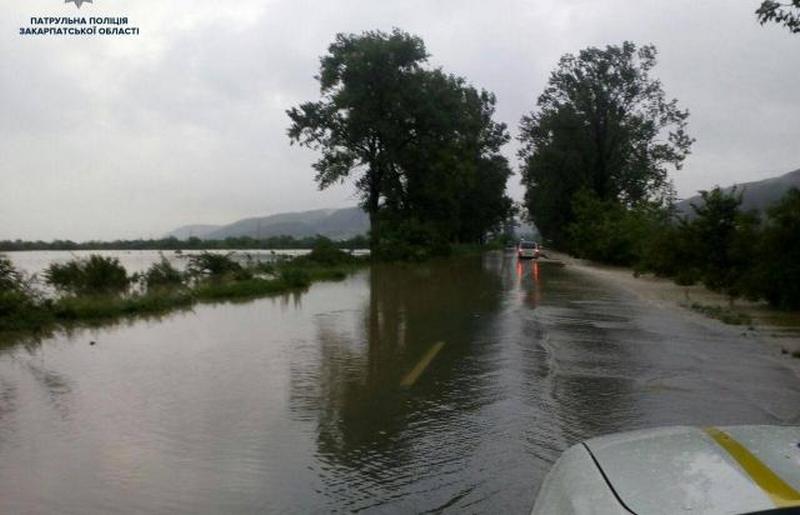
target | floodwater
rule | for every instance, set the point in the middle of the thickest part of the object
(322, 401)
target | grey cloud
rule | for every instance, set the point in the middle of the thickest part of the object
(186, 124)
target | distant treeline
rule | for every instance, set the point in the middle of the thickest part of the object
(194, 243)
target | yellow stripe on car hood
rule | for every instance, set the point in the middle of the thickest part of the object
(781, 493)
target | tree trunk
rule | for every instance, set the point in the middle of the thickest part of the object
(374, 225)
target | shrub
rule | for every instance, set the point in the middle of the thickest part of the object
(324, 252)
(723, 239)
(93, 275)
(21, 305)
(162, 275)
(777, 269)
(410, 240)
(669, 251)
(294, 277)
(212, 265)
(608, 231)
(10, 278)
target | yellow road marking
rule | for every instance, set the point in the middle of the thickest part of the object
(781, 493)
(417, 371)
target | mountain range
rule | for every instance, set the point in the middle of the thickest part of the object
(340, 224)
(756, 195)
(337, 224)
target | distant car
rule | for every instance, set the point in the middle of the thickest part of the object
(687, 470)
(528, 249)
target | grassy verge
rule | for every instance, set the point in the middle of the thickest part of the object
(724, 315)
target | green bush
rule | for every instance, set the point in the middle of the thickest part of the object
(777, 269)
(722, 242)
(14, 303)
(609, 231)
(411, 240)
(162, 275)
(10, 278)
(212, 265)
(93, 275)
(294, 277)
(21, 305)
(325, 252)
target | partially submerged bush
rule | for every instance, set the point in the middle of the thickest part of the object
(411, 240)
(18, 300)
(93, 275)
(215, 266)
(325, 252)
(162, 275)
(10, 278)
(295, 277)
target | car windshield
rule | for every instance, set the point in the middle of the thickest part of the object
(527, 245)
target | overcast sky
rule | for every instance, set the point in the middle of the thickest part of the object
(133, 136)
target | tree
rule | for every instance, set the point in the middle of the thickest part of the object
(787, 14)
(360, 124)
(604, 124)
(723, 241)
(778, 263)
(452, 172)
(423, 141)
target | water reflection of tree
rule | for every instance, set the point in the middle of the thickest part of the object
(367, 423)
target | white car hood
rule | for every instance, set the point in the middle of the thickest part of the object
(725, 470)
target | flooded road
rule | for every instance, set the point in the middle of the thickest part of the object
(444, 386)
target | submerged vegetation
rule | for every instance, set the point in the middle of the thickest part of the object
(98, 288)
(94, 275)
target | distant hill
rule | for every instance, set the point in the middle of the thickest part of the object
(333, 223)
(187, 231)
(757, 195)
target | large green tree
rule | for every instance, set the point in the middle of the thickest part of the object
(604, 124)
(453, 175)
(360, 125)
(423, 142)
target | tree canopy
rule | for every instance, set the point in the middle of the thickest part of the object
(360, 123)
(603, 123)
(784, 13)
(422, 143)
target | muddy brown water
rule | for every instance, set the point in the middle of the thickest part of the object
(310, 402)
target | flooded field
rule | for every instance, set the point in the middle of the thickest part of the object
(444, 386)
